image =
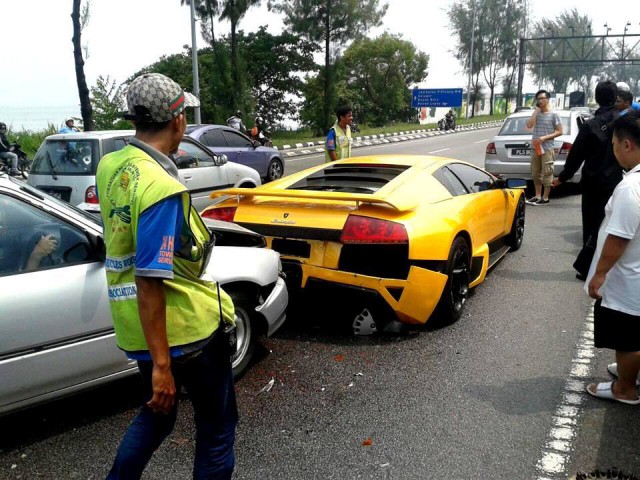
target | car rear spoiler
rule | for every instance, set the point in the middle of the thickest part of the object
(402, 204)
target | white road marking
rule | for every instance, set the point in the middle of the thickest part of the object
(482, 141)
(556, 452)
(441, 150)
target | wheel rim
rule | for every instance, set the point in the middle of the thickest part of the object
(275, 170)
(243, 334)
(520, 223)
(460, 279)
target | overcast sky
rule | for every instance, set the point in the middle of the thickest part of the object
(125, 35)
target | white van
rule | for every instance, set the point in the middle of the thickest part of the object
(65, 167)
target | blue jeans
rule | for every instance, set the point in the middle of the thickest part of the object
(207, 377)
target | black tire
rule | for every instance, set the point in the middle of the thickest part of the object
(456, 290)
(516, 235)
(275, 170)
(245, 333)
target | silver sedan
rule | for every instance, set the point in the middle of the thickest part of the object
(57, 335)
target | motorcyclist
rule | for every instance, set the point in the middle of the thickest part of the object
(259, 133)
(6, 150)
(235, 121)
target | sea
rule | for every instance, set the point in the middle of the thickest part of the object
(37, 118)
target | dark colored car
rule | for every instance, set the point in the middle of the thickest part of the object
(239, 148)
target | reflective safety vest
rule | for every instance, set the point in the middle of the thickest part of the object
(343, 143)
(129, 182)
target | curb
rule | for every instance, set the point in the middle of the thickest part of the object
(309, 148)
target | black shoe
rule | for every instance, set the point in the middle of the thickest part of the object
(533, 201)
(580, 277)
(15, 173)
(542, 201)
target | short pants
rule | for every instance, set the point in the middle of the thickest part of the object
(615, 330)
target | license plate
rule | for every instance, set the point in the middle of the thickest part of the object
(521, 151)
(294, 248)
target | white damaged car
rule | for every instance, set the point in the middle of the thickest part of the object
(57, 334)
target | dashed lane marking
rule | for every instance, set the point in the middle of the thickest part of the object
(438, 151)
(556, 452)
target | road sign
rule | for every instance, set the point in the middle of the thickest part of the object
(436, 97)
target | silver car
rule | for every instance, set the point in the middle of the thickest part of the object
(57, 334)
(65, 166)
(509, 153)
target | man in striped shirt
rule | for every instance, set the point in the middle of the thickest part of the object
(546, 126)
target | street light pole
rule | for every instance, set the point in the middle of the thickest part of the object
(194, 61)
(473, 34)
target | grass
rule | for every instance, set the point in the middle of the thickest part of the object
(305, 135)
(30, 140)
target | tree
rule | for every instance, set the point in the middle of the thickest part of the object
(273, 71)
(79, 18)
(495, 35)
(380, 72)
(325, 22)
(108, 102)
(569, 23)
(233, 11)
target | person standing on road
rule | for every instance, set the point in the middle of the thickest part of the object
(601, 172)
(624, 87)
(614, 276)
(624, 100)
(6, 151)
(68, 126)
(338, 144)
(546, 126)
(166, 317)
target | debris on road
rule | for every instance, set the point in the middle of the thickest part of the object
(267, 388)
(367, 443)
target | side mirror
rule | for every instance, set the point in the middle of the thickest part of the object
(515, 183)
(220, 160)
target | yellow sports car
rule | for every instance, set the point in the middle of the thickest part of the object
(409, 234)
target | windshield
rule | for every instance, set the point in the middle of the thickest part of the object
(517, 126)
(64, 157)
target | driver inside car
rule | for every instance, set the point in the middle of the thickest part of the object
(42, 250)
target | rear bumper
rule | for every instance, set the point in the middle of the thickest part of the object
(412, 300)
(275, 307)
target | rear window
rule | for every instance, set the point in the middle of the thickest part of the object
(517, 126)
(350, 178)
(66, 157)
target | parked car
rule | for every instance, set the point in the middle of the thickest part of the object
(65, 166)
(404, 235)
(509, 152)
(57, 334)
(220, 139)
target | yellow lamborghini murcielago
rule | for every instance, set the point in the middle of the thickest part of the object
(410, 234)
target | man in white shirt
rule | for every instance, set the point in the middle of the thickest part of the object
(614, 276)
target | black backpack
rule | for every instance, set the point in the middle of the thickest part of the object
(601, 126)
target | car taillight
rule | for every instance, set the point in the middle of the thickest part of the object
(371, 230)
(90, 195)
(565, 148)
(225, 214)
(491, 149)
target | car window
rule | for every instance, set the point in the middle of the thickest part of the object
(213, 138)
(32, 239)
(120, 143)
(517, 126)
(450, 182)
(473, 179)
(190, 155)
(64, 157)
(236, 140)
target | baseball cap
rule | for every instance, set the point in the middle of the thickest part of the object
(624, 86)
(155, 98)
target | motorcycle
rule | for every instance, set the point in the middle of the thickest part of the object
(262, 139)
(355, 128)
(447, 123)
(24, 164)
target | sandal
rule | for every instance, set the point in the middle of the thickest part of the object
(604, 391)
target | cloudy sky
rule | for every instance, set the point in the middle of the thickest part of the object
(126, 35)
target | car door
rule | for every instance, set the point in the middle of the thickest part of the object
(245, 152)
(487, 206)
(213, 139)
(57, 333)
(199, 173)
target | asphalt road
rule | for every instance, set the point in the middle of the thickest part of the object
(497, 395)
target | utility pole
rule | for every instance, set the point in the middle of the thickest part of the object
(194, 61)
(473, 34)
